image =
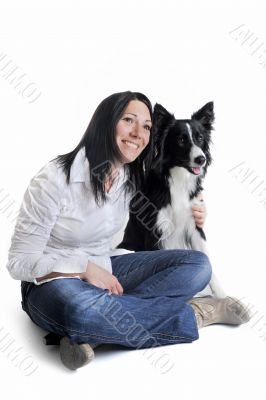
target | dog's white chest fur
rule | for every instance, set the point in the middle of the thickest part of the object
(177, 225)
(176, 222)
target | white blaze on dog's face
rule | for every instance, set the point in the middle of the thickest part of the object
(196, 156)
(133, 130)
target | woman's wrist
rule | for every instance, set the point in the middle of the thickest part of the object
(58, 274)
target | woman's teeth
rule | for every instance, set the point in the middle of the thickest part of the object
(130, 144)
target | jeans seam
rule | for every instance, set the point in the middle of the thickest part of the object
(94, 336)
(44, 317)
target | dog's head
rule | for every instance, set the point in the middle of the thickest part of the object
(184, 142)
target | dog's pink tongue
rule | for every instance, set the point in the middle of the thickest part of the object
(196, 170)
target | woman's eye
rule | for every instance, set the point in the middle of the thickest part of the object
(148, 127)
(128, 119)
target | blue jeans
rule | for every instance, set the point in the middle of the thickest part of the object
(151, 312)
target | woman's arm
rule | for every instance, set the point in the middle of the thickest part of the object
(37, 216)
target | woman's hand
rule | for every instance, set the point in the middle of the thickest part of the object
(101, 278)
(199, 212)
(95, 275)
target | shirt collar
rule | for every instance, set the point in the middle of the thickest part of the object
(80, 168)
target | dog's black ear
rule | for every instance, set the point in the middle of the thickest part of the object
(205, 115)
(161, 121)
(161, 115)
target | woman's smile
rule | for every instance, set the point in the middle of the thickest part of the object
(131, 144)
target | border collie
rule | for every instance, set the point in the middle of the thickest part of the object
(160, 215)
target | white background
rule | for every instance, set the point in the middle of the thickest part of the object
(181, 54)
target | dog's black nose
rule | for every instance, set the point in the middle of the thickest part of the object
(199, 160)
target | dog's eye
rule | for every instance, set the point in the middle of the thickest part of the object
(180, 140)
(200, 137)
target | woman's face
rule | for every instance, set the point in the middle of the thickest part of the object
(133, 130)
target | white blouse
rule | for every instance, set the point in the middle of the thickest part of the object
(60, 228)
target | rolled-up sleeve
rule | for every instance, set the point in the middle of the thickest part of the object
(37, 216)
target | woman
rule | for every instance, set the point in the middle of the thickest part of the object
(73, 283)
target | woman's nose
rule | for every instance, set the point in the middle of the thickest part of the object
(136, 130)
